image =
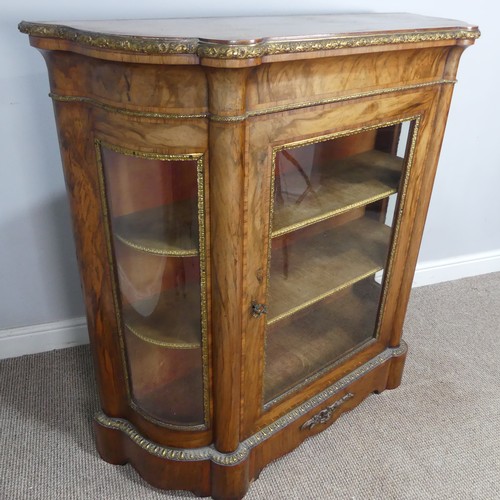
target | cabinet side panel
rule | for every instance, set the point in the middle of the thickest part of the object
(82, 183)
(413, 219)
(126, 87)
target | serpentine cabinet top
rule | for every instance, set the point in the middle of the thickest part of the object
(245, 41)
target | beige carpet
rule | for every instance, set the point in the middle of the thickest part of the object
(436, 437)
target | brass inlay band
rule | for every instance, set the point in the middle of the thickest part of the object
(322, 296)
(124, 111)
(249, 114)
(244, 448)
(358, 95)
(128, 43)
(199, 158)
(151, 155)
(157, 251)
(193, 46)
(228, 119)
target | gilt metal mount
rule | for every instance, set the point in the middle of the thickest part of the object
(326, 413)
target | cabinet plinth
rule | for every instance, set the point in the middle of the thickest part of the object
(248, 199)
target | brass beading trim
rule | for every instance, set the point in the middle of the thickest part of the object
(206, 49)
(358, 95)
(400, 208)
(157, 251)
(170, 345)
(245, 447)
(226, 51)
(124, 111)
(332, 213)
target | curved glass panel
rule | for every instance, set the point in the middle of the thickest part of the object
(331, 232)
(155, 222)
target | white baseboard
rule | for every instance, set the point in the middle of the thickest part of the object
(40, 338)
(437, 271)
(68, 333)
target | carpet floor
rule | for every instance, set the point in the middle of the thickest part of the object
(436, 437)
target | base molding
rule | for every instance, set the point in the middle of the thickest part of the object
(228, 475)
(34, 339)
(464, 266)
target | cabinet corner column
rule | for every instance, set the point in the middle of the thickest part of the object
(227, 180)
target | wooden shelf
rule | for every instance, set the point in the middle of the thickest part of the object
(173, 402)
(345, 184)
(301, 346)
(174, 321)
(170, 230)
(311, 269)
(166, 384)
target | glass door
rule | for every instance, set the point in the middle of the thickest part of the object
(332, 222)
(155, 210)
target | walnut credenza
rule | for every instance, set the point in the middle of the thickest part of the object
(248, 197)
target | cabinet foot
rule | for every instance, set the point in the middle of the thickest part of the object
(396, 370)
(230, 483)
(119, 443)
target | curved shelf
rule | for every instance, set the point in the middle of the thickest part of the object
(168, 230)
(312, 269)
(345, 184)
(166, 385)
(174, 319)
(183, 411)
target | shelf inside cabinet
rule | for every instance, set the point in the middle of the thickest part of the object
(344, 184)
(188, 410)
(170, 229)
(170, 319)
(167, 384)
(308, 342)
(309, 270)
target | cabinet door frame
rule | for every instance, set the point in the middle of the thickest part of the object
(156, 139)
(310, 124)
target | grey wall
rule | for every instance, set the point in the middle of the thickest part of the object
(38, 276)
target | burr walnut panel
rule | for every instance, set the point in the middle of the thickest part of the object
(282, 84)
(128, 87)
